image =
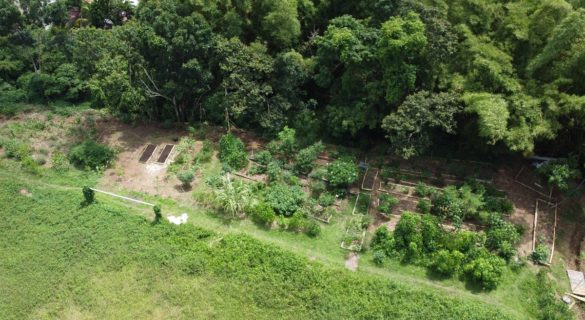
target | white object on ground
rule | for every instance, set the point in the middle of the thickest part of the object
(178, 220)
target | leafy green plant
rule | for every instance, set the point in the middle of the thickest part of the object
(285, 200)
(312, 229)
(341, 173)
(558, 173)
(157, 213)
(186, 177)
(326, 199)
(88, 194)
(92, 155)
(263, 157)
(387, 203)
(232, 152)
(206, 152)
(423, 190)
(486, 270)
(424, 206)
(305, 158)
(540, 254)
(447, 262)
(262, 214)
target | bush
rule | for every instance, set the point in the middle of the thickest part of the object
(317, 187)
(486, 270)
(88, 194)
(326, 199)
(378, 257)
(447, 262)
(502, 237)
(186, 177)
(423, 190)
(297, 221)
(274, 171)
(91, 155)
(157, 213)
(16, 150)
(305, 159)
(232, 152)
(424, 206)
(262, 214)
(387, 203)
(59, 162)
(313, 229)
(284, 199)
(263, 157)
(496, 204)
(559, 173)
(206, 152)
(342, 173)
(540, 254)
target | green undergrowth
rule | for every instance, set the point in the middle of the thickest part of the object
(60, 259)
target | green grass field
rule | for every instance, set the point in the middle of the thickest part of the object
(59, 259)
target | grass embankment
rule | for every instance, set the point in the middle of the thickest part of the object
(59, 259)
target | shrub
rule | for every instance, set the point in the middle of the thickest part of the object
(312, 229)
(424, 206)
(317, 187)
(16, 150)
(496, 204)
(286, 144)
(274, 171)
(92, 155)
(540, 254)
(232, 152)
(558, 173)
(423, 190)
(88, 194)
(378, 257)
(305, 159)
(381, 235)
(326, 199)
(186, 177)
(255, 169)
(387, 203)
(262, 214)
(447, 262)
(297, 221)
(206, 152)
(263, 157)
(30, 165)
(284, 199)
(157, 213)
(502, 237)
(59, 162)
(486, 270)
(342, 173)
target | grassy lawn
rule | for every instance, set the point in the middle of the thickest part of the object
(62, 260)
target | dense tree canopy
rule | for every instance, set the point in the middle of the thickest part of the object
(498, 76)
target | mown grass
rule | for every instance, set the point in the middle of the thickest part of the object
(60, 259)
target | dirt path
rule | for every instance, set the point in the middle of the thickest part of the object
(352, 261)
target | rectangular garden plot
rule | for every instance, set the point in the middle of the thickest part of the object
(354, 236)
(545, 221)
(369, 179)
(148, 151)
(165, 153)
(362, 204)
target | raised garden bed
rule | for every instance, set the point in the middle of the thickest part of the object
(361, 204)
(355, 234)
